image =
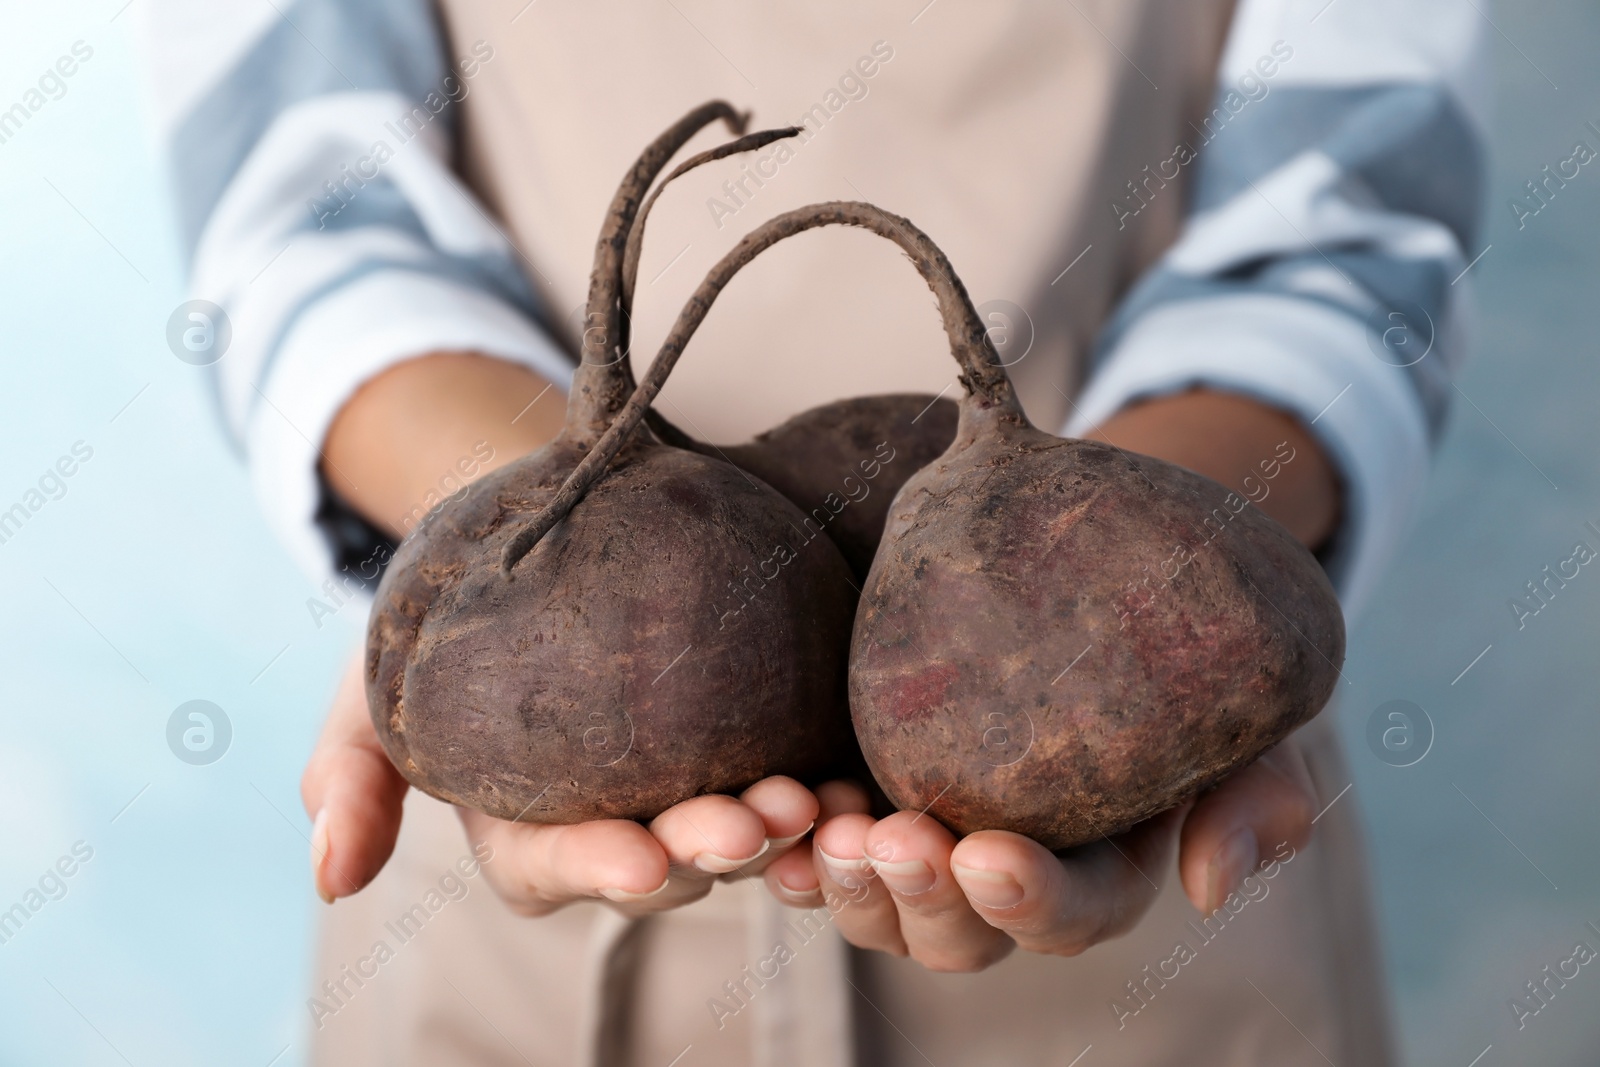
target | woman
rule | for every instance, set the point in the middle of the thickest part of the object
(1197, 208)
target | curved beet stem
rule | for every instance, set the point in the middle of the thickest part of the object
(657, 422)
(747, 143)
(603, 380)
(981, 370)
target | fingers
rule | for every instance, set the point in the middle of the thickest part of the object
(1061, 906)
(792, 876)
(1243, 821)
(711, 835)
(788, 811)
(352, 793)
(718, 836)
(537, 868)
(870, 920)
(911, 855)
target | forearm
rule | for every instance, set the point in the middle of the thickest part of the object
(1227, 438)
(407, 429)
(412, 426)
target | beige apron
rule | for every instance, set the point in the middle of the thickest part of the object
(1005, 131)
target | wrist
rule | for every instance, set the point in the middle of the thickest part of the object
(421, 430)
(1264, 454)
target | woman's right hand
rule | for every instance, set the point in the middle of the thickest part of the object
(355, 799)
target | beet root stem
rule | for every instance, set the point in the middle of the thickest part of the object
(982, 372)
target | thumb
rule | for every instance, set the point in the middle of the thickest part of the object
(353, 795)
(1231, 830)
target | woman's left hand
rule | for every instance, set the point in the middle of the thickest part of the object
(905, 885)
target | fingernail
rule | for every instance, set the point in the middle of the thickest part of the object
(799, 897)
(712, 863)
(319, 853)
(622, 896)
(908, 877)
(778, 844)
(991, 889)
(849, 873)
(1232, 862)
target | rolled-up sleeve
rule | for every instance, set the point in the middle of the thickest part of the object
(310, 151)
(1320, 268)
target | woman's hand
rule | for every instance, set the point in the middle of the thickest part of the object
(913, 889)
(355, 796)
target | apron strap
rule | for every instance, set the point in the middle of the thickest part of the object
(610, 961)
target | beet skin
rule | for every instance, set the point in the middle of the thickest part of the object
(1113, 634)
(636, 658)
(842, 463)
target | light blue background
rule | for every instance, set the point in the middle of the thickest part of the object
(185, 939)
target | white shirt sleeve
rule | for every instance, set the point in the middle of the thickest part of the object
(309, 148)
(1336, 193)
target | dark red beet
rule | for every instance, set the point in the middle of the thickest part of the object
(1056, 637)
(639, 655)
(842, 463)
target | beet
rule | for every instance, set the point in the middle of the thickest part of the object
(1056, 637)
(821, 458)
(678, 634)
(842, 463)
